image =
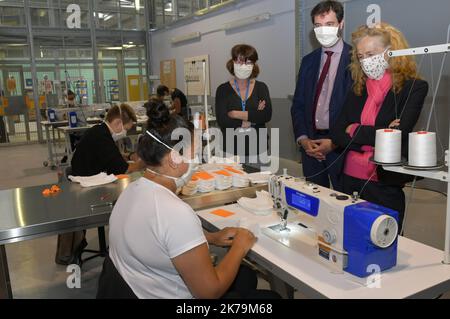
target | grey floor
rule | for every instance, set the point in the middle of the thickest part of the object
(35, 275)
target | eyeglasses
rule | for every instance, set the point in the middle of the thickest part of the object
(240, 62)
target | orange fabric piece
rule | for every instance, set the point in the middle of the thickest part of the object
(202, 175)
(222, 172)
(233, 170)
(222, 213)
(52, 190)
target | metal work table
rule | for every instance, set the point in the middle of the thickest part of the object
(419, 273)
(27, 214)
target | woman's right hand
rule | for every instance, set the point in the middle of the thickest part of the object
(261, 105)
(394, 123)
(246, 124)
(244, 239)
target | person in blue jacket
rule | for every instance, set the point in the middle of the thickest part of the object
(323, 83)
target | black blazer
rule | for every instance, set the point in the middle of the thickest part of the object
(409, 100)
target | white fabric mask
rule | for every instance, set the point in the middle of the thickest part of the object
(122, 134)
(119, 136)
(186, 177)
(327, 36)
(243, 71)
(375, 66)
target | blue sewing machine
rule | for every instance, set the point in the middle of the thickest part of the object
(346, 233)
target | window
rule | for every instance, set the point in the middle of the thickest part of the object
(12, 16)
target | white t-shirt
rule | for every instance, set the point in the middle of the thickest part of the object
(149, 225)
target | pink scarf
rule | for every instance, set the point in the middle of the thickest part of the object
(357, 164)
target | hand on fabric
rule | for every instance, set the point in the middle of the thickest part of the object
(223, 237)
(244, 239)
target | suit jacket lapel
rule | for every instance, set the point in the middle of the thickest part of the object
(316, 69)
(339, 81)
(387, 110)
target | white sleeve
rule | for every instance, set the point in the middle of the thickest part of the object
(183, 232)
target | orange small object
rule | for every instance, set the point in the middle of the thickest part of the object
(233, 170)
(51, 191)
(202, 175)
(122, 176)
(222, 213)
(55, 189)
(222, 172)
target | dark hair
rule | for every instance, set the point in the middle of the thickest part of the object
(127, 112)
(150, 104)
(162, 90)
(70, 92)
(327, 6)
(246, 52)
(161, 124)
(177, 93)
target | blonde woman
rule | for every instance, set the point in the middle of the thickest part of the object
(387, 92)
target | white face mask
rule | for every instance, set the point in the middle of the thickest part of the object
(243, 71)
(122, 134)
(375, 66)
(327, 36)
(119, 136)
(186, 177)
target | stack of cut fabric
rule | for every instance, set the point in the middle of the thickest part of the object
(240, 178)
(224, 160)
(261, 205)
(259, 178)
(206, 182)
(224, 179)
(190, 188)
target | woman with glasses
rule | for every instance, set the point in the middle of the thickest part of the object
(243, 104)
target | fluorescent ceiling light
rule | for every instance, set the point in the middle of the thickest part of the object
(125, 46)
(104, 16)
(246, 21)
(185, 37)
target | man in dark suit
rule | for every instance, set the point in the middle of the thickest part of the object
(323, 82)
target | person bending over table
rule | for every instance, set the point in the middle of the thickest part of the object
(97, 152)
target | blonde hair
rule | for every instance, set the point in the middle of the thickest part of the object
(402, 68)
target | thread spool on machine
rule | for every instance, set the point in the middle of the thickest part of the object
(388, 146)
